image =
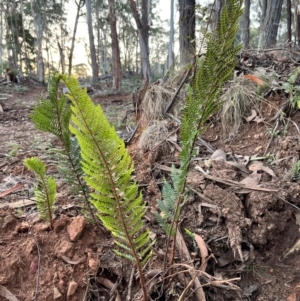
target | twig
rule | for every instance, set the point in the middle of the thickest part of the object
(128, 298)
(134, 131)
(233, 183)
(187, 287)
(296, 125)
(280, 198)
(38, 250)
(272, 137)
(172, 102)
(181, 246)
(111, 286)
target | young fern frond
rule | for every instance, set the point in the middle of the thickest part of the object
(45, 190)
(212, 72)
(108, 166)
(53, 116)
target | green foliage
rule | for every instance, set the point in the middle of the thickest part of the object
(53, 116)
(45, 190)
(107, 167)
(292, 87)
(296, 171)
(213, 70)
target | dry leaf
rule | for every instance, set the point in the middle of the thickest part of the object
(254, 79)
(252, 180)
(203, 251)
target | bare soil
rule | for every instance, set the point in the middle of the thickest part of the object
(249, 232)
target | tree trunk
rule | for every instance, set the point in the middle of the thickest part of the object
(186, 30)
(270, 23)
(143, 28)
(80, 4)
(218, 4)
(1, 39)
(36, 10)
(298, 30)
(62, 57)
(289, 22)
(91, 39)
(116, 62)
(170, 60)
(246, 25)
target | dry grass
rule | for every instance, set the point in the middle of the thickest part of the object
(158, 96)
(241, 95)
(154, 135)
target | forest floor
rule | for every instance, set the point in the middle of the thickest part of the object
(252, 233)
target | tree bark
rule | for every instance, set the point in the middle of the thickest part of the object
(79, 5)
(36, 10)
(289, 22)
(143, 33)
(170, 60)
(116, 62)
(246, 25)
(186, 30)
(91, 40)
(218, 4)
(270, 23)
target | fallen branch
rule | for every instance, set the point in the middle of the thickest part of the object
(233, 183)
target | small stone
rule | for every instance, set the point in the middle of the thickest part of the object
(76, 228)
(64, 248)
(56, 293)
(72, 288)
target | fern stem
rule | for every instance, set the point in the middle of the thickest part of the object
(48, 201)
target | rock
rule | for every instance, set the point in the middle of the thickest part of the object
(7, 223)
(56, 293)
(42, 227)
(60, 224)
(72, 288)
(76, 228)
(64, 248)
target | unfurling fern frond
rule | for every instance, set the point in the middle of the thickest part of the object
(212, 71)
(53, 115)
(108, 166)
(45, 190)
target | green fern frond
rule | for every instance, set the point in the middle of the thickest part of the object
(107, 166)
(45, 190)
(213, 70)
(53, 115)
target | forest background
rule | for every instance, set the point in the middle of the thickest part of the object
(92, 38)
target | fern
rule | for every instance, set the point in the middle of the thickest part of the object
(45, 191)
(107, 166)
(212, 72)
(53, 115)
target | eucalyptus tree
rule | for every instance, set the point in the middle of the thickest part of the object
(116, 62)
(94, 64)
(170, 59)
(79, 6)
(271, 13)
(246, 25)
(142, 23)
(187, 23)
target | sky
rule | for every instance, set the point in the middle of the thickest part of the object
(82, 32)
